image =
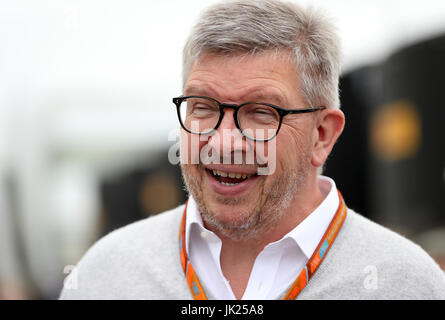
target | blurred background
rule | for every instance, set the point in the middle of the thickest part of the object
(85, 114)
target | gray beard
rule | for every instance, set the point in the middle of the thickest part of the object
(263, 217)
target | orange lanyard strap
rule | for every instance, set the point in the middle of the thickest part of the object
(320, 253)
(302, 280)
(190, 274)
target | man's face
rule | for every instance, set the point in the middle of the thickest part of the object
(243, 208)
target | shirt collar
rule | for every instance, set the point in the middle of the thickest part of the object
(192, 218)
(309, 232)
(306, 235)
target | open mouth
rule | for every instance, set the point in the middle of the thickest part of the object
(229, 179)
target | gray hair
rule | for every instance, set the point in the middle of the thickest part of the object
(255, 26)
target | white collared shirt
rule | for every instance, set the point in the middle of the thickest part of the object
(276, 267)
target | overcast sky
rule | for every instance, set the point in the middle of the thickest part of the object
(131, 50)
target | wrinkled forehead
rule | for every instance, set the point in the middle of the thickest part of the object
(243, 76)
(282, 55)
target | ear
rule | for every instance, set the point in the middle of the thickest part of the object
(329, 127)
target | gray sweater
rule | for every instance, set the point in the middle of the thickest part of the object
(366, 261)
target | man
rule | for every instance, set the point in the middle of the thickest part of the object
(259, 116)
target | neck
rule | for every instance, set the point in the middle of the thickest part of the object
(237, 257)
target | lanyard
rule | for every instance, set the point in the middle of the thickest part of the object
(303, 278)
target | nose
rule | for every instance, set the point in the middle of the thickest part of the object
(228, 120)
(228, 140)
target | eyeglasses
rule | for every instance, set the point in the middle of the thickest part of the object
(256, 121)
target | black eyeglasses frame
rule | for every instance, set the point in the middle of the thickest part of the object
(282, 112)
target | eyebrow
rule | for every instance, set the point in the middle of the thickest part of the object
(201, 90)
(267, 97)
(259, 95)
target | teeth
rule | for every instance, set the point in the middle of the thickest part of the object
(228, 184)
(231, 174)
(222, 173)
